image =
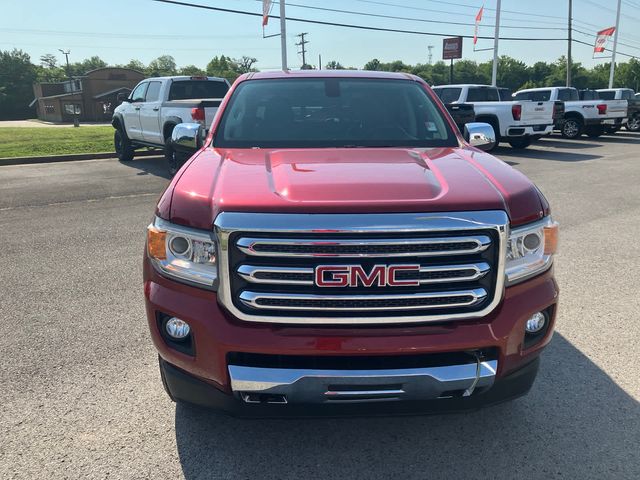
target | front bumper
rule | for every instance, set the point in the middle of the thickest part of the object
(218, 336)
(186, 388)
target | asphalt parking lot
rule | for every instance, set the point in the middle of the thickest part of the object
(81, 395)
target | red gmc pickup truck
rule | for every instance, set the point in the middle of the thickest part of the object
(335, 246)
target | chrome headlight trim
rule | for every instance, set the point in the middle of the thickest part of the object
(522, 262)
(184, 267)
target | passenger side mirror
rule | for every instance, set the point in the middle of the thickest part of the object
(122, 97)
(480, 135)
(187, 137)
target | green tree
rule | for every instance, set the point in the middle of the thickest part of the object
(244, 64)
(372, 64)
(136, 65)
(334, 65)
(17, 75)
(164, 65)
(49, 60)
(192, 71)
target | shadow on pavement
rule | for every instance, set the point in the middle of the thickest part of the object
(575, 423)
(554, 155)
(620, 138)
(559, 142)
(155, 165)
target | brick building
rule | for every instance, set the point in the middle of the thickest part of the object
(92, 96)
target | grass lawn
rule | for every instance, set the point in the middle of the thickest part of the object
(36, 141)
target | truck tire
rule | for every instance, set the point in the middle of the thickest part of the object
(520, 142)
(122, 144)
(171, 156)
(633, 125)
(572, 128)
(594, 131)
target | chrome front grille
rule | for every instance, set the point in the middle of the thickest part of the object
(449, 266)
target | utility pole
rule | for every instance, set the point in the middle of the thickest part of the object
(319, 62)
(494, 73)
(570, 30)
(283, 35)
(615, 47)
(66, 55)
(303, 49)
(430, 48)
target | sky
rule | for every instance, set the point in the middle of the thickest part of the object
(120, 30)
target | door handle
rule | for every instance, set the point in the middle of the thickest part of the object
(137, 108)
(156, 109)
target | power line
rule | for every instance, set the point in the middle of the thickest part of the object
(348, 25)
(410, 19)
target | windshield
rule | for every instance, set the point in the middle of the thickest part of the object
(191, 89)
(332, 112)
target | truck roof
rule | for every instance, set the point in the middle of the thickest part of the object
(328, 74)
(537, 89)
(187, 77)
(461, 85)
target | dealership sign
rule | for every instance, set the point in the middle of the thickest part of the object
(451, 48)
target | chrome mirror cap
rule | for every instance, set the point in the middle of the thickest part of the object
(187, 136)
(480, 135)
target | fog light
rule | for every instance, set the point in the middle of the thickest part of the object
(176, 328)
(536, 322)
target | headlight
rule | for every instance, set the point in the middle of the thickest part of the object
(183, 253)
(530, 250)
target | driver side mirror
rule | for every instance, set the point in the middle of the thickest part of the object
(480, 135)
(123, 97)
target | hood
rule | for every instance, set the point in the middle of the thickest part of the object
(346, 180)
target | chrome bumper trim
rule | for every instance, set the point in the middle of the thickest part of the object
(333, 386)
(249, 247)
(251, 273)
(252, 299)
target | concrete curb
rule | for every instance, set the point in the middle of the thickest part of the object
(70, 157)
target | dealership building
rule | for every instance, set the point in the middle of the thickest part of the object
(89, 98)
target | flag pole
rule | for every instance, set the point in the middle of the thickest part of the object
(283, 35)
(615, 47)
(494, 73)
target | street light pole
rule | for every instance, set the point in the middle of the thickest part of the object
(494, 73)
(615, 47)
(283, 35)
(569, 45)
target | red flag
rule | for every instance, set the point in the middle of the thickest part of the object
(266, 8)
(602, 39)
(478, 20)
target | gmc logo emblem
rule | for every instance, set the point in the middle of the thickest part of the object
(355, 275)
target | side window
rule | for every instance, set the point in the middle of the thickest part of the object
(627, 95)
(482, 94)
(153, 92)
(138, 93)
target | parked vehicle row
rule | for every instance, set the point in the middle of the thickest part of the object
(591, 117)
(148, 117)
(515, 122)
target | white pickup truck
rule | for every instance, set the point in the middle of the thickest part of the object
(633, 105)
(156, 105)
(580, 116)
(517, 123)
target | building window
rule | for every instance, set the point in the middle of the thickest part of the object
(72, 109)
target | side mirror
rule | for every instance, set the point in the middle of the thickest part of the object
(122, 97)
(480, 135)
(187, 137)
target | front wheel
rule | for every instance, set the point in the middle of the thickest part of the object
(124, 149)
(172, 157)
(633, 125)
(520, 142)
(572, 128)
